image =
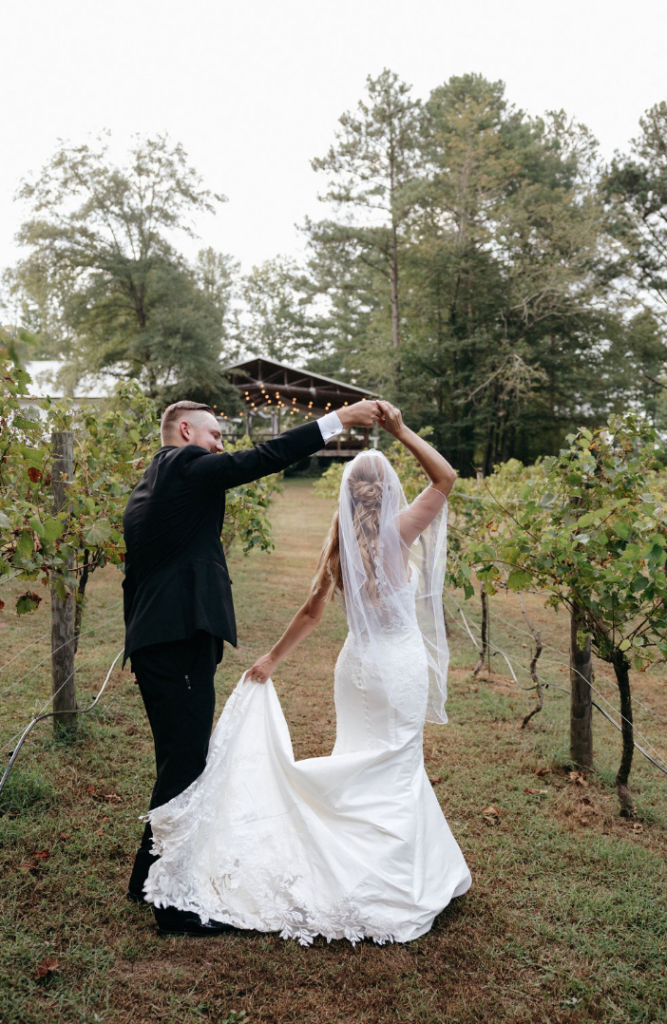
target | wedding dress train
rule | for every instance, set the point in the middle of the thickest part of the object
(352, 846)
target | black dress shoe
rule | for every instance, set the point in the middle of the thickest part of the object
(171, 921)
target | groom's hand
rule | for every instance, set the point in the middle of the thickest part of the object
(261, 670)
(361, 414)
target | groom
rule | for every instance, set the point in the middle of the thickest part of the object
(177, 593)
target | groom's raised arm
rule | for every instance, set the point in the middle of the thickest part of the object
(230, 469)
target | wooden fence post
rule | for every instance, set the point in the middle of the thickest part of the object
(581, 697)
(62, 612)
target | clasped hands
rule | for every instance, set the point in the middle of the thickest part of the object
(369, 412)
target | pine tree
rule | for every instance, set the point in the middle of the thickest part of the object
(374, 183)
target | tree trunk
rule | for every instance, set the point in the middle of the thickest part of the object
(539, 646)
(81, 598)
(62, 612)
(581, 706)
(394, 290)
(621, 668)
(489, 445)
(484, 653)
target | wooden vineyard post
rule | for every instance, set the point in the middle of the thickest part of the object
(581, 707)
(62, 612)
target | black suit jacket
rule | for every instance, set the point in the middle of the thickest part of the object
(176, 580)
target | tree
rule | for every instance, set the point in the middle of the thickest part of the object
(373, 175)
(110, 453)
(351, 318)
(502, 280)
(636, 188)
(103, 283)
(595, 539)
(276, 316)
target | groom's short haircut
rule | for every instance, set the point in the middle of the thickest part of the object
(173, 412)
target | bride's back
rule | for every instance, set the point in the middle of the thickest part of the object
(389, 586)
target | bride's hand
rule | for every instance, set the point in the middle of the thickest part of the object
(391, 418)
(261, 670)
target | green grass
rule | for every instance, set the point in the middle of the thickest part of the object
(566, 922)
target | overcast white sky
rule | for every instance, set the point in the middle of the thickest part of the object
(254, 89)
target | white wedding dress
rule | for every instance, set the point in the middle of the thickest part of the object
(352, 846)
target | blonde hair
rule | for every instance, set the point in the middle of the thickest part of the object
(328, 577)
(366, 480)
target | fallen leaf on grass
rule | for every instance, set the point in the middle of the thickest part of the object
(543, 771)
(637, 827)
(33, 861)
(434, 779)
(111, 798)
(529, 790)
(578, 778)
(491, 816)
(91, 789)
(65, 835)
(48, 965)
(98, 832)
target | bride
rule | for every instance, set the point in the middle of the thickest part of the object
(353, 845)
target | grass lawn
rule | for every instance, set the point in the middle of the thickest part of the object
(567, 917)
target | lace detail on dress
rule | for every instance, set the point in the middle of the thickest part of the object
(283, 903)
(243, 847)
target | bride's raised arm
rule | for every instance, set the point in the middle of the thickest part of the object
(428, 504)
(300, 627)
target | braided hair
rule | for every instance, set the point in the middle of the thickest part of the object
(366, 483)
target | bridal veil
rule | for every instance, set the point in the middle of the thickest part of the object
(393, 558)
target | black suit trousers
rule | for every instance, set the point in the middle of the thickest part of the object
(176, 680)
